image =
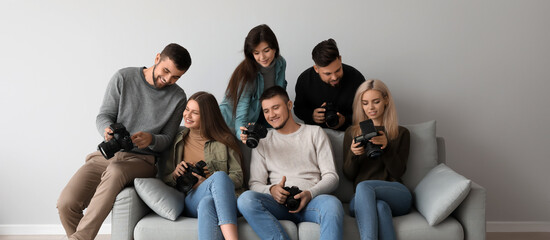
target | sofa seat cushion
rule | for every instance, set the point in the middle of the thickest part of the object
(153, 226)
(412, 226)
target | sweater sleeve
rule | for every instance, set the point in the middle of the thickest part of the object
(108, 111)
(163, 139)
(351, 161)
(301, 108)
(258, 172)
(398, 154)
(325, 158)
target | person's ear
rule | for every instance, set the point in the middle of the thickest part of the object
(316, 68)
(157, 58)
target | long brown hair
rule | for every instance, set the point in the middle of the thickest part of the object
(245, 74)
(212, 124)
(390, 114)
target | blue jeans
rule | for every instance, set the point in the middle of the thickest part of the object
(213, 203)
(262, 212)
(375, 203)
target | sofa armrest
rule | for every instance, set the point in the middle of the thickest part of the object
(127, 211)
(471, 213)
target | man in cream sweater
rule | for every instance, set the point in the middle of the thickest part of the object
(290, 155)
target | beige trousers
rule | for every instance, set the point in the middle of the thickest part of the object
(95, 187)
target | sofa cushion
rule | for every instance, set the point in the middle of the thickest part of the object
(440, 192)
(164, 200)
(422, 152)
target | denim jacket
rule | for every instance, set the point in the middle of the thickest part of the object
(218, 157)
(249, 107)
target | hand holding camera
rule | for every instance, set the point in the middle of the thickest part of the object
(188, 179)
(292, 197)
(116, 138)
(372, 141)
(252, 135)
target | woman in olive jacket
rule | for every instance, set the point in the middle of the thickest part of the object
(212, 198)
(379, 193)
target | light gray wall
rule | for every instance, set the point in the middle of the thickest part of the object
(480, 68)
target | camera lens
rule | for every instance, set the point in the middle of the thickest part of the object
(108, 149)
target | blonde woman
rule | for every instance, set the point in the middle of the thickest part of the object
(379, 191)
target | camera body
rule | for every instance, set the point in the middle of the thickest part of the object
(185, 182)
(291, 203)
(255, 132)
(368, 131)
(121, 140)
(331, 114)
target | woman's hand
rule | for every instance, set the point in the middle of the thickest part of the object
(201, 178)
(356, 149)
(380, 140)
(180, 170)
(244, 137)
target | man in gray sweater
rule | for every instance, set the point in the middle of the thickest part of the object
(290, 155)
(150, 105)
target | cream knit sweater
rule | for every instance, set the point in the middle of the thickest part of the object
(304, 157)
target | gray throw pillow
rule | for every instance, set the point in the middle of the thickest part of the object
(164, 200)
(422, 152)
(440, 193)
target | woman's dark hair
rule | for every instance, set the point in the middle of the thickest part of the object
(212, 124)
(325, 53)
(178, 54)
(245, 73)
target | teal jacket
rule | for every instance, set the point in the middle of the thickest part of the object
(249, 107)
(217, 156)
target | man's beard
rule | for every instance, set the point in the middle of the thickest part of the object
(154, 79)
(284, 123)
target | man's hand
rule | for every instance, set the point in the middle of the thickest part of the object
(341, 121)
(278, 193)
(305, 197)
(319, 114)
(142, 139)
(107, 134)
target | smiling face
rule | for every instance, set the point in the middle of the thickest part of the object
(263, 54)
(191, 115)
(276, 111)
(332, 73)
(374, 105)
(165, 72)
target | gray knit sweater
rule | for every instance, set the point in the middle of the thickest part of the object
(304, 157)
(130, 100)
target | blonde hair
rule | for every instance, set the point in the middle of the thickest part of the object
(390, 114)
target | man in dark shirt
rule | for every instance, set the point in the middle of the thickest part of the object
(325, 92)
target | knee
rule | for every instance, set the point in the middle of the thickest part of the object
(68, 202)
(383, 208)
(364, 186)
(220, 177)
(332, 207)
(247, 201)
(206, 204)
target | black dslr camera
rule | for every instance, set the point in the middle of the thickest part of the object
(255, 132)
(185, 182)
(331, 114)
(121, 140)
(368, 131)
(291, 203)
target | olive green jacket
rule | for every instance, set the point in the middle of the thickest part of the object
(218, 157)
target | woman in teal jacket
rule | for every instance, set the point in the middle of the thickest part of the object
(262, 68)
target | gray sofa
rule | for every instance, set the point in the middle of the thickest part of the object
(132, 219)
